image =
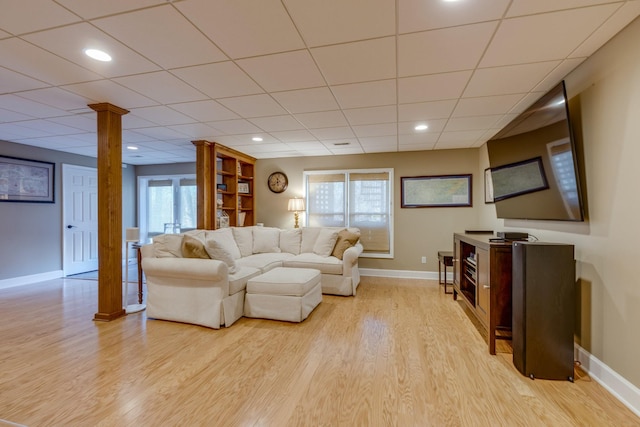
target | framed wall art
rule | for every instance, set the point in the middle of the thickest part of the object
(436, 191)
(23, 180)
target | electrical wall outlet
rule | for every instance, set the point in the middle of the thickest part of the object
(424, 259)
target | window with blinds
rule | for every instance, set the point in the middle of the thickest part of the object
(167, 200)
(359, 198)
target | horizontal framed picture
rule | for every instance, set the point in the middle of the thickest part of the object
(243, 187)
(436, 191)
(23, 180)
(221, 187)
(518, 178)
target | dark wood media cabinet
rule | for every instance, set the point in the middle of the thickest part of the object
(482, 275)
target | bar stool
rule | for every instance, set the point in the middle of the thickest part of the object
(445, 259)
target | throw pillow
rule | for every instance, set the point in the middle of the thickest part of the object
(325, 242)
(167, 246)
(346, 239)
(266, 240)
(217, 251)
(193, 248)
(290, 240)
(244, 239)
(309, 237)
(224, 236)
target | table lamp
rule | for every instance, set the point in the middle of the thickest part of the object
(296, 205)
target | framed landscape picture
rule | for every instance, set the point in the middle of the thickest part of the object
(23, 180)
(436, 191)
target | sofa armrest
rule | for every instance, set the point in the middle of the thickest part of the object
(350, 258)
(206, 270)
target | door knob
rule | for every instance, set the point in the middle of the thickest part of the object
(71, 226)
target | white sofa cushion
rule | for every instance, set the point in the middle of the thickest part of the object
(290, 240)
(264, 262)
(325, 242)
(224, 236)
(168, 246)
(238, 280)
(244, 239)
(266, 240)
(217, 251)
(309, 237)
(327, 265)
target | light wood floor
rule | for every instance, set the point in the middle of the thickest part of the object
(400, 353)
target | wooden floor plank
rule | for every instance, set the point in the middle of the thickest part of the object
(400, 353)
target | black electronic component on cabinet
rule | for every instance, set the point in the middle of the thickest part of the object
(543, 309)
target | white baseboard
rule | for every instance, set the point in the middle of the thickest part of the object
(403, 274)
(618, 386)
(27, 280)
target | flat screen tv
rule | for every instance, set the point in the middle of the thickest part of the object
(533, 168)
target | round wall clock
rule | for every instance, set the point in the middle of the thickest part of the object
(278, 182)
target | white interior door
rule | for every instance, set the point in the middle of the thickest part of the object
(80, 216)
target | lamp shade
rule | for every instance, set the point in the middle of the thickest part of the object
(296, 205)
(133, 234)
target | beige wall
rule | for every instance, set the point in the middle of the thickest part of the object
(417, 232)
(605, 92)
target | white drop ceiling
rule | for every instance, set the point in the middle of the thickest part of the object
(311, 78)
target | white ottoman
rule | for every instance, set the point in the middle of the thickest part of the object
(288, 294)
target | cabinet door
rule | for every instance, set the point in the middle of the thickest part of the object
(482, 286)
(456, 262)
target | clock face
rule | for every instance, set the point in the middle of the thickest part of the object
(278, 182)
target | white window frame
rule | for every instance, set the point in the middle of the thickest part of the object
(143, 195)
(346, 173)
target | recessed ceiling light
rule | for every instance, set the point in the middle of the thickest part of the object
(131, 147)
(421, 127)
(98, 55)
(256, 139)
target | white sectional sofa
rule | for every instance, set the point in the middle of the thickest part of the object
(200, 276)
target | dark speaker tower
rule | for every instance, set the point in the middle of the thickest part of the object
(543, 309)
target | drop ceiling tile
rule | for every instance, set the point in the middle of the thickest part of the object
(426, 110)
(49, 127)
(372, 115)
(384, 129)
(133, 137)
(247, 139)
(563, 33)
(341, 132)
(557, 74)
(623, 16)
(134, 122)
(358, 61)
(39, 64)
(325, 119)
(283, 71)
(90, 151)
(7, 116)
(435, 126)
(28, 107)
(378, 141)
(434, 87)
(70, 42)
(463, 137)
(294, 136)
(507, 80)
(231, 127)
(145, 31)
(347, 21)
(341, 151)
(108, 91)
(4, 34)
(205, 111)
(427, 139)
(370, 94)
(448, 49)
(93, 9)
(162, 87)
(160, 133)
(253, 106)
(219, 80)
(24, 18)
(306, 145)
(86, 123)
(419, 15)
(11, 81)
(265, 148)
(244, 28)
(307, 100)
(501, 104)
(58, 98)
(277, 123)
(471, 123)
(415, 147)
(161, 115)
(18, 132)
(527, 7)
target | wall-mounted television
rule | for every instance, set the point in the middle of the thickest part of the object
(533, 163)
